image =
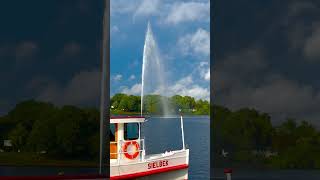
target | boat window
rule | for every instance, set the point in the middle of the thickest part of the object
(112, 132)
(131, 131)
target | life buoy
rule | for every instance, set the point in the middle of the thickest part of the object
(135, 152)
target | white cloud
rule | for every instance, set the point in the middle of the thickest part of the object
(117, 77)
(312, 50)
(184, 87)
(187, 87)
(26, 49)
(147, 7)
(280, 95)
(204, 70)
(167, 12)
(83, 88)
(122, 6)
(134, 90)
(132, 77)
(198, 43)
(114, 29)
(276, 95)
(188, 11)
(207, 75)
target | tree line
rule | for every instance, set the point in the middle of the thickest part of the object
(70, 131)
(62, 132)
(251, 138)
(153, 104)
(246, 134)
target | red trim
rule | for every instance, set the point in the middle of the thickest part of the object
(227, 170)
(93, 176)
(147, 173)
(126, 117)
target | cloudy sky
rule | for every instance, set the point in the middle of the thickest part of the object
(181, 29)
(267, 56)
(50, 50)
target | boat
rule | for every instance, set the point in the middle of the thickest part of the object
(128, 158)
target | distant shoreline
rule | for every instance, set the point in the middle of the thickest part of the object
(159, 115)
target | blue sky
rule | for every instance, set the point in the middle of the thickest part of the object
(182, 31)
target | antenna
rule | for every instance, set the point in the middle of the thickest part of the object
(182, 130)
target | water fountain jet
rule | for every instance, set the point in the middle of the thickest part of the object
(153, 76)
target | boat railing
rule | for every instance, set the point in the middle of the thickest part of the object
(120, 154)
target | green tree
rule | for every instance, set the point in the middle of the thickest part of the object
(27, 112)
(284, 135)
(70, 141)
(124, 103)
(116, 99)
(18, 136)
(42, 136)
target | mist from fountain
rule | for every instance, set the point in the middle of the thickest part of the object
(153, 75)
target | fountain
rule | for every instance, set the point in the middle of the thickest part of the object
(153, 74)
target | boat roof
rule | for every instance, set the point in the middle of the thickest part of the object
(126, 119)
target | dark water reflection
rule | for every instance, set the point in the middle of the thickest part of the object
(44, 171)
(254, 174)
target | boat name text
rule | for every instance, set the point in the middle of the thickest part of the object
(158, 164)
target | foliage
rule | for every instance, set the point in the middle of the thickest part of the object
(69, 131)
(245, 131)
(60, 132)
(18, 136)
(122, 103)
(248, 135)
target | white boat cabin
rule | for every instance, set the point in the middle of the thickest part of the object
(125, 139)
(129, 161)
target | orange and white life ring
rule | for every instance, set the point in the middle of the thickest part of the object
(131, 154)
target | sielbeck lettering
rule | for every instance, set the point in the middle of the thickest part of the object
(158, 164)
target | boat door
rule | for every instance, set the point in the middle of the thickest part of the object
(113, 141)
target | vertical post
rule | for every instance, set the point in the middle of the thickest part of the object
(139, 129)
(182, 130)
(104, 103)
(227, 172)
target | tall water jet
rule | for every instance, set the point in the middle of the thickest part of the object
(153, 75)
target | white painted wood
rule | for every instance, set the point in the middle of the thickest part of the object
(147, 163)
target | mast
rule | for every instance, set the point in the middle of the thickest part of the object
(104, 103)
(182, 130)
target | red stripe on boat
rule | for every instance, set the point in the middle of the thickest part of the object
(94, 176)
(147, 173)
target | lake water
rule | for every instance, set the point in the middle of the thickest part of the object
(44, 171)
(160, 134)
(163, 134)
(249, 174)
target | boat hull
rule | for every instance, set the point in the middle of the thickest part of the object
(174, 175)
(169, 165)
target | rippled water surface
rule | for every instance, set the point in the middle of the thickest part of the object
(272, 174)
(163, 134)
